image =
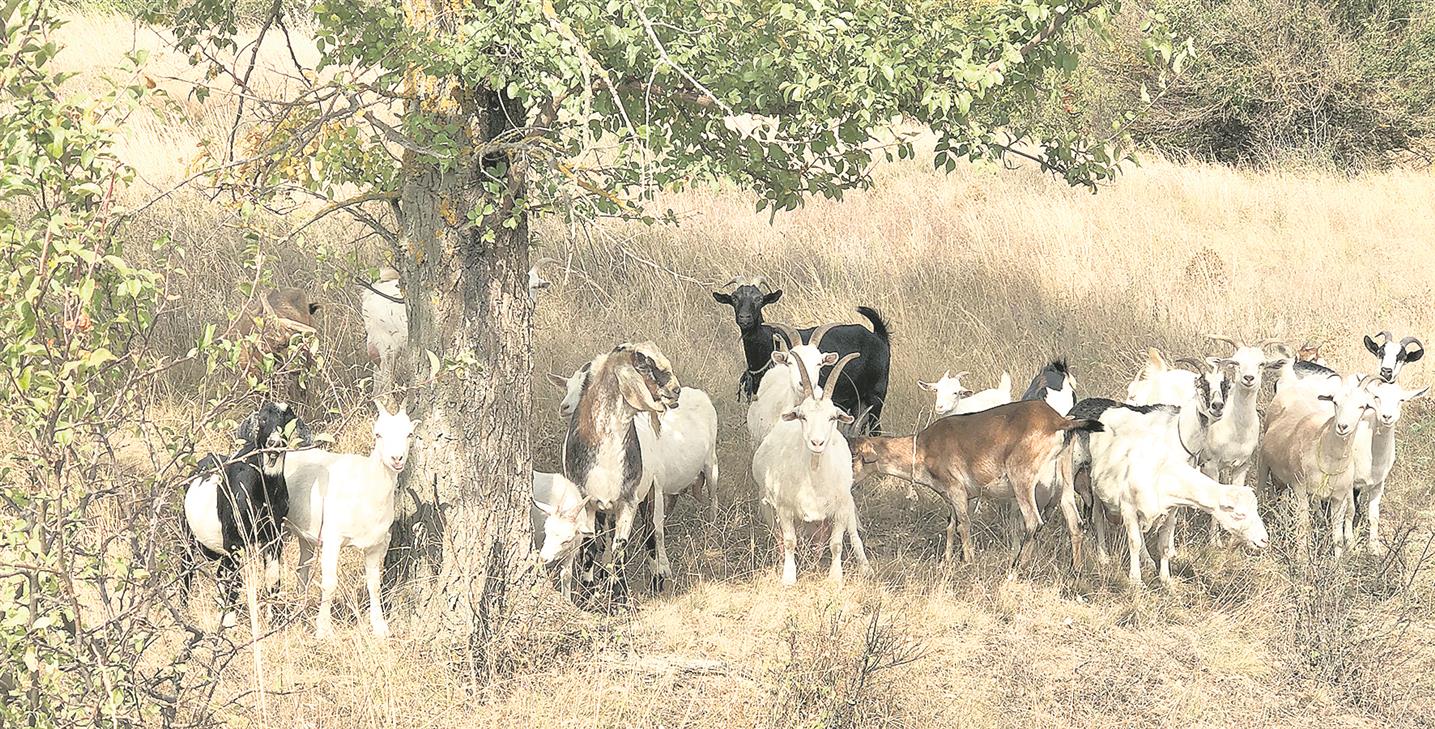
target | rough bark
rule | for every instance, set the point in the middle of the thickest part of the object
(465, 284)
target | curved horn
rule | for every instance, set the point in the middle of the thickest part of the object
(1227, 340)
(836, 373)
(736, 281)
(757, 282)
(806, 381)
(1195, 364)
(1269, 342)
(818, 334)
(1387, 336)
(793, 338)
(1406, 342)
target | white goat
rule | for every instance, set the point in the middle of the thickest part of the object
(557, 514)
(338, 499)
(386, 322)
(781, 388)
(1309, 445)
(805, 469)
(1141, 472)
(954, 399)
(1375, 456)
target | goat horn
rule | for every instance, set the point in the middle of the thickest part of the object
(836, 373)
(1227, 340)
(295, 326)
(960, 375)
(793, 338)
(757, 282)
(1192, 362)
(818, 334)
(1406, 342)
(1269, 342)
(736, 281)
(806, 381)
(1387, 336)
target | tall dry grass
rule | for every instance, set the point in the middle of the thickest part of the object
(984, 270)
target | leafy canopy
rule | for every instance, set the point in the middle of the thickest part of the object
(604, 102)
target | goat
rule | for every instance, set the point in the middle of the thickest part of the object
(864, 392)
(1375, 456)
(1309, 445)
(1140, 470)
(1009, 453)
(557, 514)
(1054, 384)
(782, 389)
(685, 440)
(241, 503)
(804, 467)
(1231, 440)
(277, 316)
(1393, 356)
(386, 322)
(602, 450)
(340, 499)
(953, 399)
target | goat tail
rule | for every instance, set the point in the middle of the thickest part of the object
(879, 326)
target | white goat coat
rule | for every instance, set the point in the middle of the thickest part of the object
(810, 487)
(385, 322)
(775, 396)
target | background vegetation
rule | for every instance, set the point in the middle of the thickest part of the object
(985, 269)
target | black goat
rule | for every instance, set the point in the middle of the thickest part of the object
(239, 504)
(863, 389)
(1054, 384)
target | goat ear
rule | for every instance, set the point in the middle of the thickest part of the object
(635, 390)
(1327, 398)
(928, 386)
(772, 297)
(1372, 346)
(559, 381)
(1412, 394)
(1275, 364)
(545, 507)
(790, 415)
(829, 358)
(1414, 356)
(779, 357)
(722, 298)
(844, 418)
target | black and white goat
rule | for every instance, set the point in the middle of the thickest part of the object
(862, 390)
(1393, 356)
(1054, 384)
(237, 505)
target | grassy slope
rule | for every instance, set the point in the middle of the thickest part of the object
(981, 270)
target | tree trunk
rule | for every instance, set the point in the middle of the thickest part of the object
(465, 285)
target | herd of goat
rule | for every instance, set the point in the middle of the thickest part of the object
(1183, 440)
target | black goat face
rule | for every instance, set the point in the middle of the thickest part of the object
(747, 302)
(272, 426)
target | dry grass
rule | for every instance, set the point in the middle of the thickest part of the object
(981, 270)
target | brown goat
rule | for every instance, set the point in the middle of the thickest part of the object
(1005, 453)
(277, 315)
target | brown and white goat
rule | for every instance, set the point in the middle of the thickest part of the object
(1005, 453)
(602, 452)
